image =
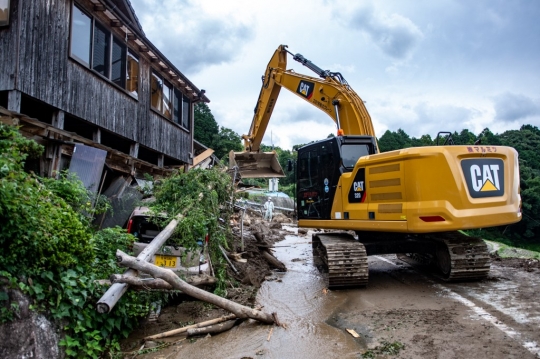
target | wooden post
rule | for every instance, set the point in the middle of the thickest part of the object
(14, 101)
(58, 119)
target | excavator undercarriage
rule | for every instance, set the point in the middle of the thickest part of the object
(454, 255)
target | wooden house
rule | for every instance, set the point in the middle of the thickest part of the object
(83, 72)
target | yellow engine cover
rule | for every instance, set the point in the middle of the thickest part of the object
(428, 189)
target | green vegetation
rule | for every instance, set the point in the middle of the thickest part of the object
(49, 252)
(201, 196)
(386, 348)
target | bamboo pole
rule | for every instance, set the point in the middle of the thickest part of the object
(170, 333)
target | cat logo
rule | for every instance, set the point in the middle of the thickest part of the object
(484, 177)
(358, 186)
(305, 88)
(357, 192)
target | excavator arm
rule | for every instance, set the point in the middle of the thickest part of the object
(330, 93)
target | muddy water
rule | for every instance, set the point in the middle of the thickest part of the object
(303, 306)
(497, 318)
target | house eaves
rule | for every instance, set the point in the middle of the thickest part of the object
(122, 14)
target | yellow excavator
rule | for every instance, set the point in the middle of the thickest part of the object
(412, 202)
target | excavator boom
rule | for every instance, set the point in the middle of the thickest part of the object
(330, 93)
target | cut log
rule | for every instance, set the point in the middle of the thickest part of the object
(276, 263)
(151, 283)
(185, 329)
(171, 278)
(212, 329)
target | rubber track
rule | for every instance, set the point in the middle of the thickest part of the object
(343, 257)
(469, 256)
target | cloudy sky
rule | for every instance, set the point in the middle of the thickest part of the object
(422, 66)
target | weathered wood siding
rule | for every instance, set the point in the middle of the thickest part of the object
(8, 50)
(46, 72)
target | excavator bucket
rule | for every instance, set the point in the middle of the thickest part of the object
(256, 164)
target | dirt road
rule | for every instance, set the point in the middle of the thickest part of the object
(403, 313)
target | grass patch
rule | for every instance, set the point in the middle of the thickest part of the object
(386, 348)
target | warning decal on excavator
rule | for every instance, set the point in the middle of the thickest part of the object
(484, 176)
(357, 193)
(305, 88)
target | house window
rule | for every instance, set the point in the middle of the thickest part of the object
(132, 78)
(81, 34)
(186, 112)
(167, 98)
(169, 101)
(177, 104)
(4, 12)
(100, 60)
(156, 93)
(118, 64)
(95, 46)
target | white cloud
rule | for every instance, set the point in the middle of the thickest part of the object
(512, 107)
(394, 34)
(191, 37)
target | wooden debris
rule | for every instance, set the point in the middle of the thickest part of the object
(228, 260)
(107, 302)
(270, 334)
(353, 333)
(152, 283)
(185, 329)
(241, 311)
(237, 257)
(212, 329)
(269, 257)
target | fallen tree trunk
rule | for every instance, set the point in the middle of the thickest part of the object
(212, 329)
(166, 274)
(185, 329)
(152, 283)
(273, 260)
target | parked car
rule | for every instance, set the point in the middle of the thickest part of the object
(178, 259)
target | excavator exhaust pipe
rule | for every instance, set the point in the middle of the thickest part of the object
(256, 164)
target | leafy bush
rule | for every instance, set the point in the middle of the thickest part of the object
(49, 252)
(201, 196)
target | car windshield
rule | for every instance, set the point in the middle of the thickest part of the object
(143, 229)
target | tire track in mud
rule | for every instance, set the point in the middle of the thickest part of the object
(527, 343)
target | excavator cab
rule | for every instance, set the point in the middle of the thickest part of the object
(319, 168)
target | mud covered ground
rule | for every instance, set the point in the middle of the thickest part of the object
(403, 313)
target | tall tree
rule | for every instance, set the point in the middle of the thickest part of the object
(205, 124)
(394, 140)
(225, 141)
